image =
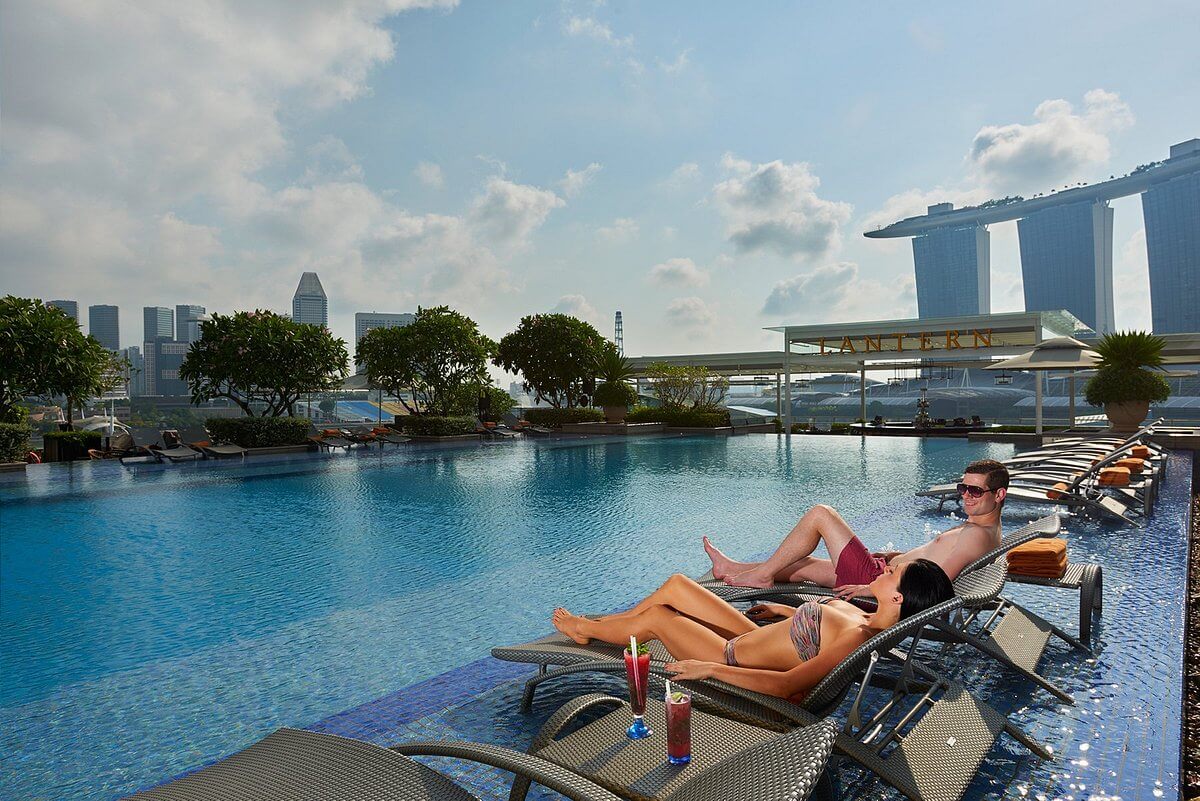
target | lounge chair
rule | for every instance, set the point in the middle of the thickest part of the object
(299, 765)
(730, 760)
(934, 759)
(330, 438)
(494, 430)
(383, 434)
(221, 449)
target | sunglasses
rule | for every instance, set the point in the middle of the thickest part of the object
(972, 490)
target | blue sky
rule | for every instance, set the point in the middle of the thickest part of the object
(706, 169)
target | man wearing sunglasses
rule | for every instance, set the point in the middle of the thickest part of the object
(851, 566)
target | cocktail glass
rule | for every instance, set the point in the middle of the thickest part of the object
(637, 674)
(679, 728)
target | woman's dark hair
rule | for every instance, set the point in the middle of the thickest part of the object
(923, 584)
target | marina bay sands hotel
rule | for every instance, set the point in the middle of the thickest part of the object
(1066, 243)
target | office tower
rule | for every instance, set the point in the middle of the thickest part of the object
(137, 371)
(71, 308)
(104, 325)
(1066, 261)
(162, 360)
(309, 304)
(187, 323)
(159, 321)
(1171, 210)
(953, 269)
(365, 321)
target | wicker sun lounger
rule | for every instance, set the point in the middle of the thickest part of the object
(299, 765)
(936, 753)
(330, 442)
(222, 449)
(730, 760)
(175, 453)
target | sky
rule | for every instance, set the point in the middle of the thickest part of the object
(706, 169)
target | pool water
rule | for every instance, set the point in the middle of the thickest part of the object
(155, 620)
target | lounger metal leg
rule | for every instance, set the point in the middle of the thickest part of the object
(991, 650)
(1027, 741)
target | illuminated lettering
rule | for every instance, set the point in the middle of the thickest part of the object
(899, 342)
(875, 343)
(952, 340)
(847, 345)
(984, 336)
(926, 340)
(821, 342)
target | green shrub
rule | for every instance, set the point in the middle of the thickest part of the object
(1117, 384)
(85, 439)
(798, 428)
(554, 418)
(614, 393)
(681, 418)
(434, 426)
(840, 428)
(14, 442)
(259, 432)
(497, 403)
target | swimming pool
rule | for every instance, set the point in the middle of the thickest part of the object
(153, 621)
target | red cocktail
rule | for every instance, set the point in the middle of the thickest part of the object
(679, 728)
(637, 674)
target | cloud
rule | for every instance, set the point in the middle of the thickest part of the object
(576, 306)
(575, 180)
(430, 175)
(836, 292)
(678, 272)
(690, 312)
(1060, 145)
(591, 28)
(507, 212)
(678, 65)
(682, 175)
(622, 229)
(775, 207)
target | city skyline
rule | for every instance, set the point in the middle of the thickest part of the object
(609, 157)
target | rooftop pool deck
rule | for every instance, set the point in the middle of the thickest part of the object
(153, 620)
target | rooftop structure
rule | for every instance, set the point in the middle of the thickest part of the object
(70, 307)
(157, 321)
(310, 303)
(1172, 213)
(104, 325)
(187, 322)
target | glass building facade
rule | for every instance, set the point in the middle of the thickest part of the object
(158, 321)
(187, 327)
(310, 304)
(1172, 213)
(104, 325)
(69, 307)
(1066, 261)
(953, 272)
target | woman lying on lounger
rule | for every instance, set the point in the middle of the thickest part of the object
(712, 639)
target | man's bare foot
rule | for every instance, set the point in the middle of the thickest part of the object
(568, 624)
(722, 565)
(750, 578)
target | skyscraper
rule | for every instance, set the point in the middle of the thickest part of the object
(159, 321)
(1171, 210)
(161, 361)
(310, 304)
(953, 269)
(187, 326)
(137, 371)
(365, 321)
(71, 307)
(1066, 261)
(104, 325)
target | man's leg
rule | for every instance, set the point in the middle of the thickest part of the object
(792, 560)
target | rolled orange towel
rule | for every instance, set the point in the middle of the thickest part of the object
(1056, 492)
(1135, 465)
(1114, 477)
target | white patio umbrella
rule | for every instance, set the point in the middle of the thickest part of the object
(1059, 353)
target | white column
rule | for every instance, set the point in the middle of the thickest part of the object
(787, 384)
(862, 394)
(1071, 403)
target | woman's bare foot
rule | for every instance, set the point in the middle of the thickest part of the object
(750, 578)
(722, 565)
(569, 624)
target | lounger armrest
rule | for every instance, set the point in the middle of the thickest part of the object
(545, 773)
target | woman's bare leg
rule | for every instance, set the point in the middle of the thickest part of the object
(690, 599)
(683, 637)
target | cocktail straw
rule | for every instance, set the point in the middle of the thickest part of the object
(637, 684)
(668, 698)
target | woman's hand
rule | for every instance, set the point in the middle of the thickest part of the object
(691, 669)
(762, 612)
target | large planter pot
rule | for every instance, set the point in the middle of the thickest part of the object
(1126, 416)
(615, 414)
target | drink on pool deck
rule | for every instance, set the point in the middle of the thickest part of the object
(637, 674)
(679, 728)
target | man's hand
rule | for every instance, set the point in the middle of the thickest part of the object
(848, 591)
(763, 612)
(691, 669)
(887, 556)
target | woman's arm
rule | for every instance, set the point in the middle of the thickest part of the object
(780, 683)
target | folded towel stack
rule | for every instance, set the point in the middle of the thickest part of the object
(1046, 558)
(1139, 452)
(1114, 477)
(1135, 465)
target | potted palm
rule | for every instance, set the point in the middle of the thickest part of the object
(1123, 385)
(612, 393)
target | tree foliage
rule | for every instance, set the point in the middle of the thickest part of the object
(43, 353)
(262, 359)
(685, 386)
(556, 355)
(440, 358)
(1120, 375)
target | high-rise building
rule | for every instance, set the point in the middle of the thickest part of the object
(104, 325)
(187, 323)
(365, 321)
(953, 269)
(162, 361)
(137, 371)
(1066, 261)
(71, 308)
(1171, 210)
(310, 304)
(159, 321)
